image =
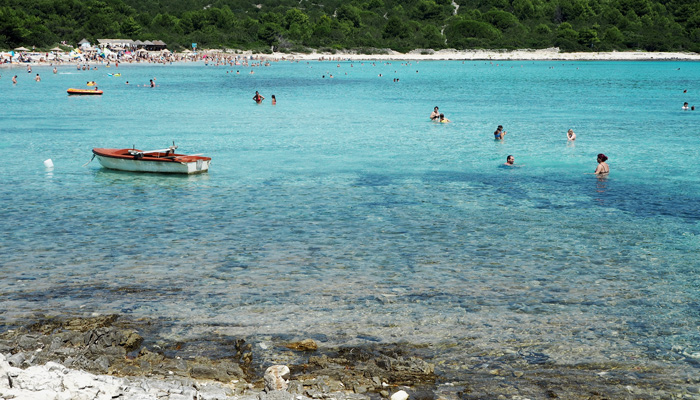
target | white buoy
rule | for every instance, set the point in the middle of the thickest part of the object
(48, 163)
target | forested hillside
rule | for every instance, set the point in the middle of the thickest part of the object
(366, 25)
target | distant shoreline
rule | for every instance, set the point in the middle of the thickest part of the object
(551, 54)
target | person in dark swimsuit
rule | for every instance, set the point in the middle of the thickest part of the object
(435, 115)
(603, 167)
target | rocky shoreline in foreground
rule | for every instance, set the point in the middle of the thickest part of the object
(105, 357)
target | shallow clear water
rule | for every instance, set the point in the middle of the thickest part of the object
(345, 215)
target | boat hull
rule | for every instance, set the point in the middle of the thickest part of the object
(173, 164)
(87, 92)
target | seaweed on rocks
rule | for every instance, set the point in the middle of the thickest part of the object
(110, 345)
(373, 368)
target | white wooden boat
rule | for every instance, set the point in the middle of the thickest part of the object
(161, 161)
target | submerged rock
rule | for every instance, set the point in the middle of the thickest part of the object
(366, 369)
(104, 344)
(304, 345)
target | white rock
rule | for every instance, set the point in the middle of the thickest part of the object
(78, 380)
(277, 378)
(400, 395)
(210, 392)
(36, 378)
(38, 395)
(56, 367)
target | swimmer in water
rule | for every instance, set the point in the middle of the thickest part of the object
(435, 114)
(258, 97)
(571, 135)
(499, 133)
(603, 167)
(510, 161)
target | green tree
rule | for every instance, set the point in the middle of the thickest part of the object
(222, 18)
(523, 9)
(588, 38)
(270, 33)
(426, 10)
(613, 36)
(543, 29)
(430, 37)
(469, 33)
(349, 13)
(295, 16)
(501, 19)
(130, 28)
(395, 28)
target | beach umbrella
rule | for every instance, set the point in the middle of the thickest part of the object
(21, 49)
(56, 49)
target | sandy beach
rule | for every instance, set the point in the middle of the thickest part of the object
(522, 55)
(550, 54)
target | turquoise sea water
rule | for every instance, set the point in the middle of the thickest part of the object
(343, 214)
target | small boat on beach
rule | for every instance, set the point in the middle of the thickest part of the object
(73, 91)
(162, 161)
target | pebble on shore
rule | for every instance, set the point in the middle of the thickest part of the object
(277, 378)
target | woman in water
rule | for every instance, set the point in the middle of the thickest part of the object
(435, 115)
(500, 133)
(603, 167)
(571, 135)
